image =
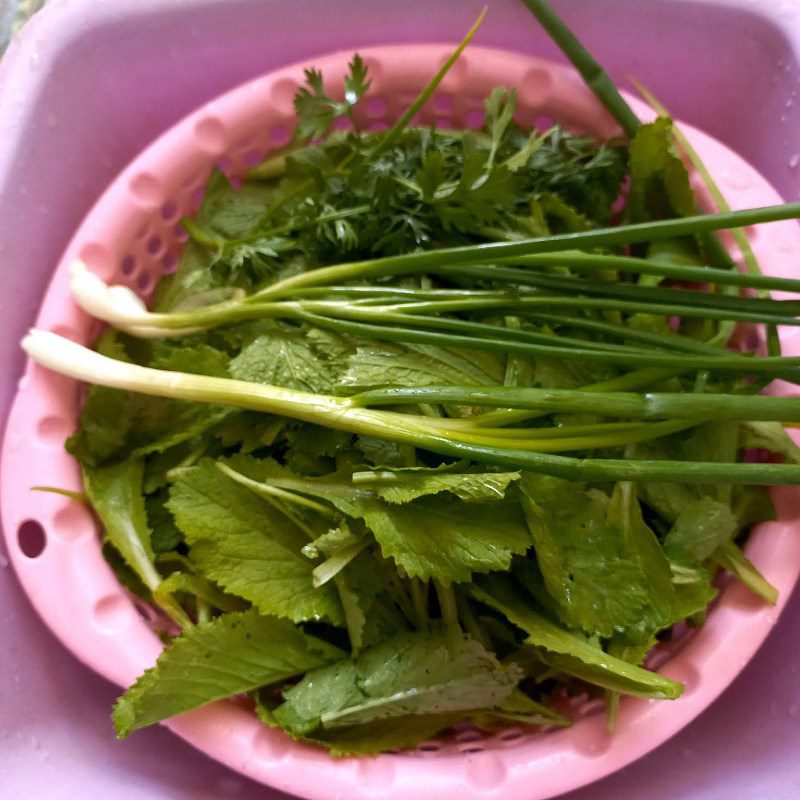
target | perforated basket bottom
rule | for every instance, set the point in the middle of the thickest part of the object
(132, 236)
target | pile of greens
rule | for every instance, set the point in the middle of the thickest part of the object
(433, 427)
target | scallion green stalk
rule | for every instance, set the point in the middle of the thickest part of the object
(74, 360)
(629, 405)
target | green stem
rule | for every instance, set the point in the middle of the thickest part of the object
(732, 559)
(448, 608)
(668, 341)
(391, 136)
(470, 622)
(596, 78)
(201, 588)
(419, 599)
(467, 327)
(466, 255)
(268, 492)
(630, 381)
(594, 262)
(653, 294)
(606, 91)
(776, 367)
(686, 406)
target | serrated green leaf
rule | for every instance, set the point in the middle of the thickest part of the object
(406, 484)
(115, 493)
(383, 364)
(431, 537)
(702, 527)
(356, 82)
(446, 539)
(165, 535)
(569, 652)
(235, 653)
(431, 175)
(407, 675)
(593, 572)
(284, 357)
(249, 548)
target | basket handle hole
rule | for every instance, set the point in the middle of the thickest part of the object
(31, 538)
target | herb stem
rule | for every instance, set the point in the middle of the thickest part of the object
(419, 599)
(593, 262)
(596, 78)
(269, 492)
(393, 134)
(784, 367)
(447, 607)
(615, 404)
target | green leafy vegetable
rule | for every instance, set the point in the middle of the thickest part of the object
(568, 652)
(446, 539)
(417, 435)
(233, 654)
(248, 547)
(317, 110)
(601, 564)
(659, 178)
(428, 678)
(406, 484)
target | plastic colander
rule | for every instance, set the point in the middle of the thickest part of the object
(132, 236)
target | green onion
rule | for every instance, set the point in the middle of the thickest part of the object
(614, 404)
(69, 358)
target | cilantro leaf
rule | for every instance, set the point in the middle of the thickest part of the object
(431, 175)
(586, 177)
(356, 82)
(316, 110)
(235, 653)
(499, 108)
(249, 548)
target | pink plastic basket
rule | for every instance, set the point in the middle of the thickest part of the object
(132, 237)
